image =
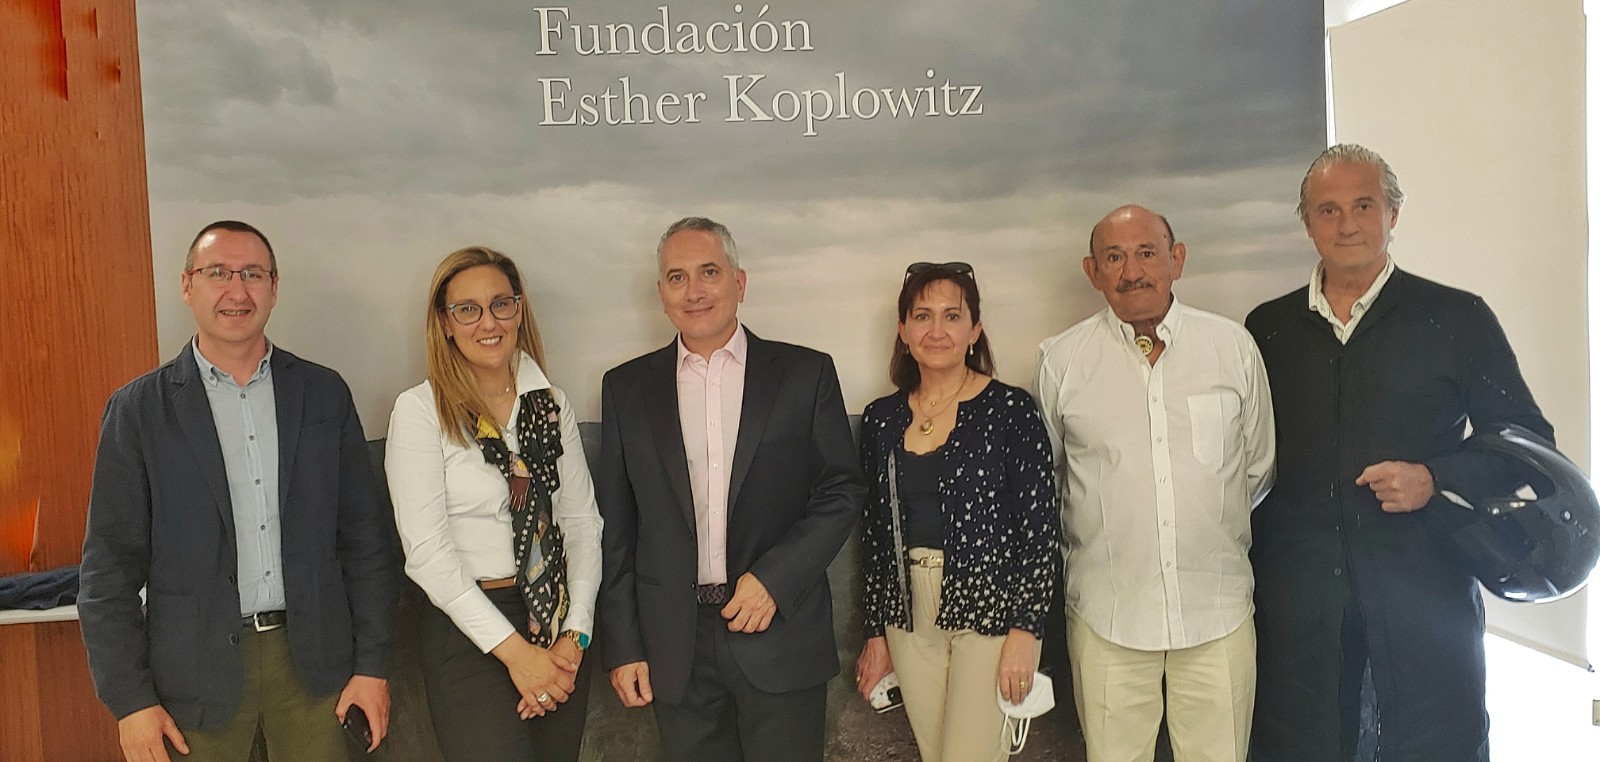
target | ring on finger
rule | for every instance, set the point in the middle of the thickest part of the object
(541, 698)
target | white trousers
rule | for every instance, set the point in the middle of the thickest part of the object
(1210, 694)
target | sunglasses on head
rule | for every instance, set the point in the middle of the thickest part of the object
(958, 268)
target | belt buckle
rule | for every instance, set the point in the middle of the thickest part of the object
(261, 621)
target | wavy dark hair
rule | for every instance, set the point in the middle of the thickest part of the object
(903, 370)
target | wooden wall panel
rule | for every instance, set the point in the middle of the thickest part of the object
(79, 313)
(77, 320)
(19, 694)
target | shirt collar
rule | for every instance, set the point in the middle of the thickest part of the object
(529, 375)
(210, 374)
(737, 348)
(1317, 302)
(1165, 330)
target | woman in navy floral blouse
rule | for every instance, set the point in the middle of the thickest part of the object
(960, 554)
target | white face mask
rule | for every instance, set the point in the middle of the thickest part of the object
(1041, 698)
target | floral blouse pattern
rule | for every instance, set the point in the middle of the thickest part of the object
(1002, 559)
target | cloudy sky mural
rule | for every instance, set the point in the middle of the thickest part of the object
(369, 138)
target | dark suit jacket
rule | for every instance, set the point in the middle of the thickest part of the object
(794, 493)
(160, 517)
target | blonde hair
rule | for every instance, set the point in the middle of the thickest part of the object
(455, 390)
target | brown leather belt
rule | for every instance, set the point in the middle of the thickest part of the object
(497, 584)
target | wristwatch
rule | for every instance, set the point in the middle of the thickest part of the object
(580, 638)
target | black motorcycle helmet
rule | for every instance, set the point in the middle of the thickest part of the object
(1537, 548)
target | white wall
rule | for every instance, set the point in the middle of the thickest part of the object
(1479, 106)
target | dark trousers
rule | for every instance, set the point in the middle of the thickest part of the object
(296, 724)
(723, 718)
(474, 703)
(1357, 693)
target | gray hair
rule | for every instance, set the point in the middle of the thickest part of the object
(729, 248)
(1350, 153)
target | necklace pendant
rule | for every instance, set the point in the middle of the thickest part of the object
(926, 427)
(1145, 344)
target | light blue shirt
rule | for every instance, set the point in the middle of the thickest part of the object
(246, 418)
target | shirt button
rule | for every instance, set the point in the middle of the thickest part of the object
(241, 395)
(1166, 523)
(258, 481)
(1158, 440)
(1338, 572)
(233, 639)
(252, 437)
(263, 527)
(233, 579)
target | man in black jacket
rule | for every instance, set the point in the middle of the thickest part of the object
(728, 482)
(1375, 375)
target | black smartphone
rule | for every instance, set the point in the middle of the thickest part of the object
(356, 726)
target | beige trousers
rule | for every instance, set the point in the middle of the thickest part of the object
(1210, 694)
(948, 677)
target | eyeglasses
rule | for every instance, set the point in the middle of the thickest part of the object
(957, 268)
(468, 313)
(219, 275)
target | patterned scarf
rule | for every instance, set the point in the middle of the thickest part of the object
(540, 554)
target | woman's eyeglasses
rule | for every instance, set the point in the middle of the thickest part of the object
(468, 313)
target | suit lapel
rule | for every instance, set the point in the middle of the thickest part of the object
(193, 411)
(762, 375)
(666, 429)
(289, 389)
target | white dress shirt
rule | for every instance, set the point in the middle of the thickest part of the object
(1319, 301)
(1159, 467)
(453, 511)
(710, 396)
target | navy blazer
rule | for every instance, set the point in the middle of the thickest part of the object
(794, 494)
(160, 517)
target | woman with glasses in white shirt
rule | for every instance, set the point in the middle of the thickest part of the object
(497, 515)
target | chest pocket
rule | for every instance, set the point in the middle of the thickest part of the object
(1214, 421)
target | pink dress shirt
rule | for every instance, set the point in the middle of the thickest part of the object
(710, 393)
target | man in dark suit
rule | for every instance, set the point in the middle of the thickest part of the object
(233, 485)
(728, 482)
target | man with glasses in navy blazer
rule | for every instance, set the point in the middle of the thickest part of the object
(233, 486)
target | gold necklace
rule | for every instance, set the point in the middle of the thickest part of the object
(926, 427)
(1145, 344)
